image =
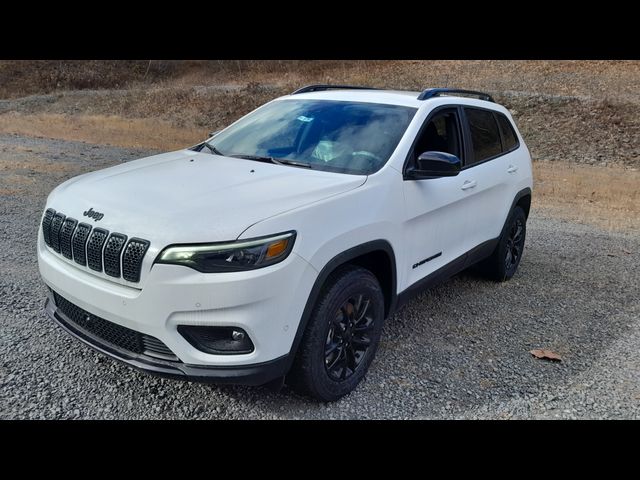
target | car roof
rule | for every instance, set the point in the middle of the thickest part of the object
(390, 97)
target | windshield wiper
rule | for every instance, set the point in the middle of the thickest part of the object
(284, 161)
(277, 161)
(212, 148)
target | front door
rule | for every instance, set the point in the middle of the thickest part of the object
(437, 210)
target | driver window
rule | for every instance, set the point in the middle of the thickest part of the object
(441, 134)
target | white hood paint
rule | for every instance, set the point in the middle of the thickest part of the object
(190, 197)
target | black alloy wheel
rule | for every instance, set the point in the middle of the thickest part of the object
(349, 337)
(515, 244)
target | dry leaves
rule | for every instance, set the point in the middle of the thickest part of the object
(546, 354)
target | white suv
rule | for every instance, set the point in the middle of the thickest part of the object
(275, 250)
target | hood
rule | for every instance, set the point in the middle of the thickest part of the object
(191, 197)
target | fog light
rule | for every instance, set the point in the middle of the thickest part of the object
(237, 335)
(217, 340)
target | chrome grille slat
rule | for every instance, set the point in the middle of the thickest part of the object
(112, 250)
(79, 243)
(66, 233)
(132, 259)
(94, 248)
(46, 225)
(56, 224)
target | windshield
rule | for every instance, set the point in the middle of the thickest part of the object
(345, 137)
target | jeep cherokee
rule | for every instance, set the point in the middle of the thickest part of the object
(274, 250)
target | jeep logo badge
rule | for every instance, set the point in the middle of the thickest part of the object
(91, 213)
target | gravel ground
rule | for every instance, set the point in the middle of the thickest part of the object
(460, 350)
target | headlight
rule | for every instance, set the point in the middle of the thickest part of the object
(230, 256)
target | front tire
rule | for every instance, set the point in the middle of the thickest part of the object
(342, 336)
(504, 261)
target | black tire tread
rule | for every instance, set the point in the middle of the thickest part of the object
(302, 375)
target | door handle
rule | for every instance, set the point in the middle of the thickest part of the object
(469, 184)
(512, 169)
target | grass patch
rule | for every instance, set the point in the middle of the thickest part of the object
(608, 197)
(104, 130)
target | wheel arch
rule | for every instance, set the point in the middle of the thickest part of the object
(377, 256)
(522, 199)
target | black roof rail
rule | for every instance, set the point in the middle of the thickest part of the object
(436, 92)
(321, 87)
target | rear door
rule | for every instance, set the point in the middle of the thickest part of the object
(488, 165)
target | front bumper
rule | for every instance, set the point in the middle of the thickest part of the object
(256, 374)
(266, 303)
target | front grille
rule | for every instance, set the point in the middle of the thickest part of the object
(56, 224)
(66, 233)
(112, 251)
(94, 248)
(93, 327)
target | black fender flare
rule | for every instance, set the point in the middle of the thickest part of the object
(521, 194)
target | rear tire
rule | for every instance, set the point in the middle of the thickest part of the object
(341, 337)
(504, 261)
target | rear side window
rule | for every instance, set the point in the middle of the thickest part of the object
(509, 138)
(485, 136)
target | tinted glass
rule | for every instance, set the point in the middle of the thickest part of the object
(485, 136)
(344, 137)
(508, 135)
(440, 135)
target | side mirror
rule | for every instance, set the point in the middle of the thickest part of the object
(213, 134)
(435, 165)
